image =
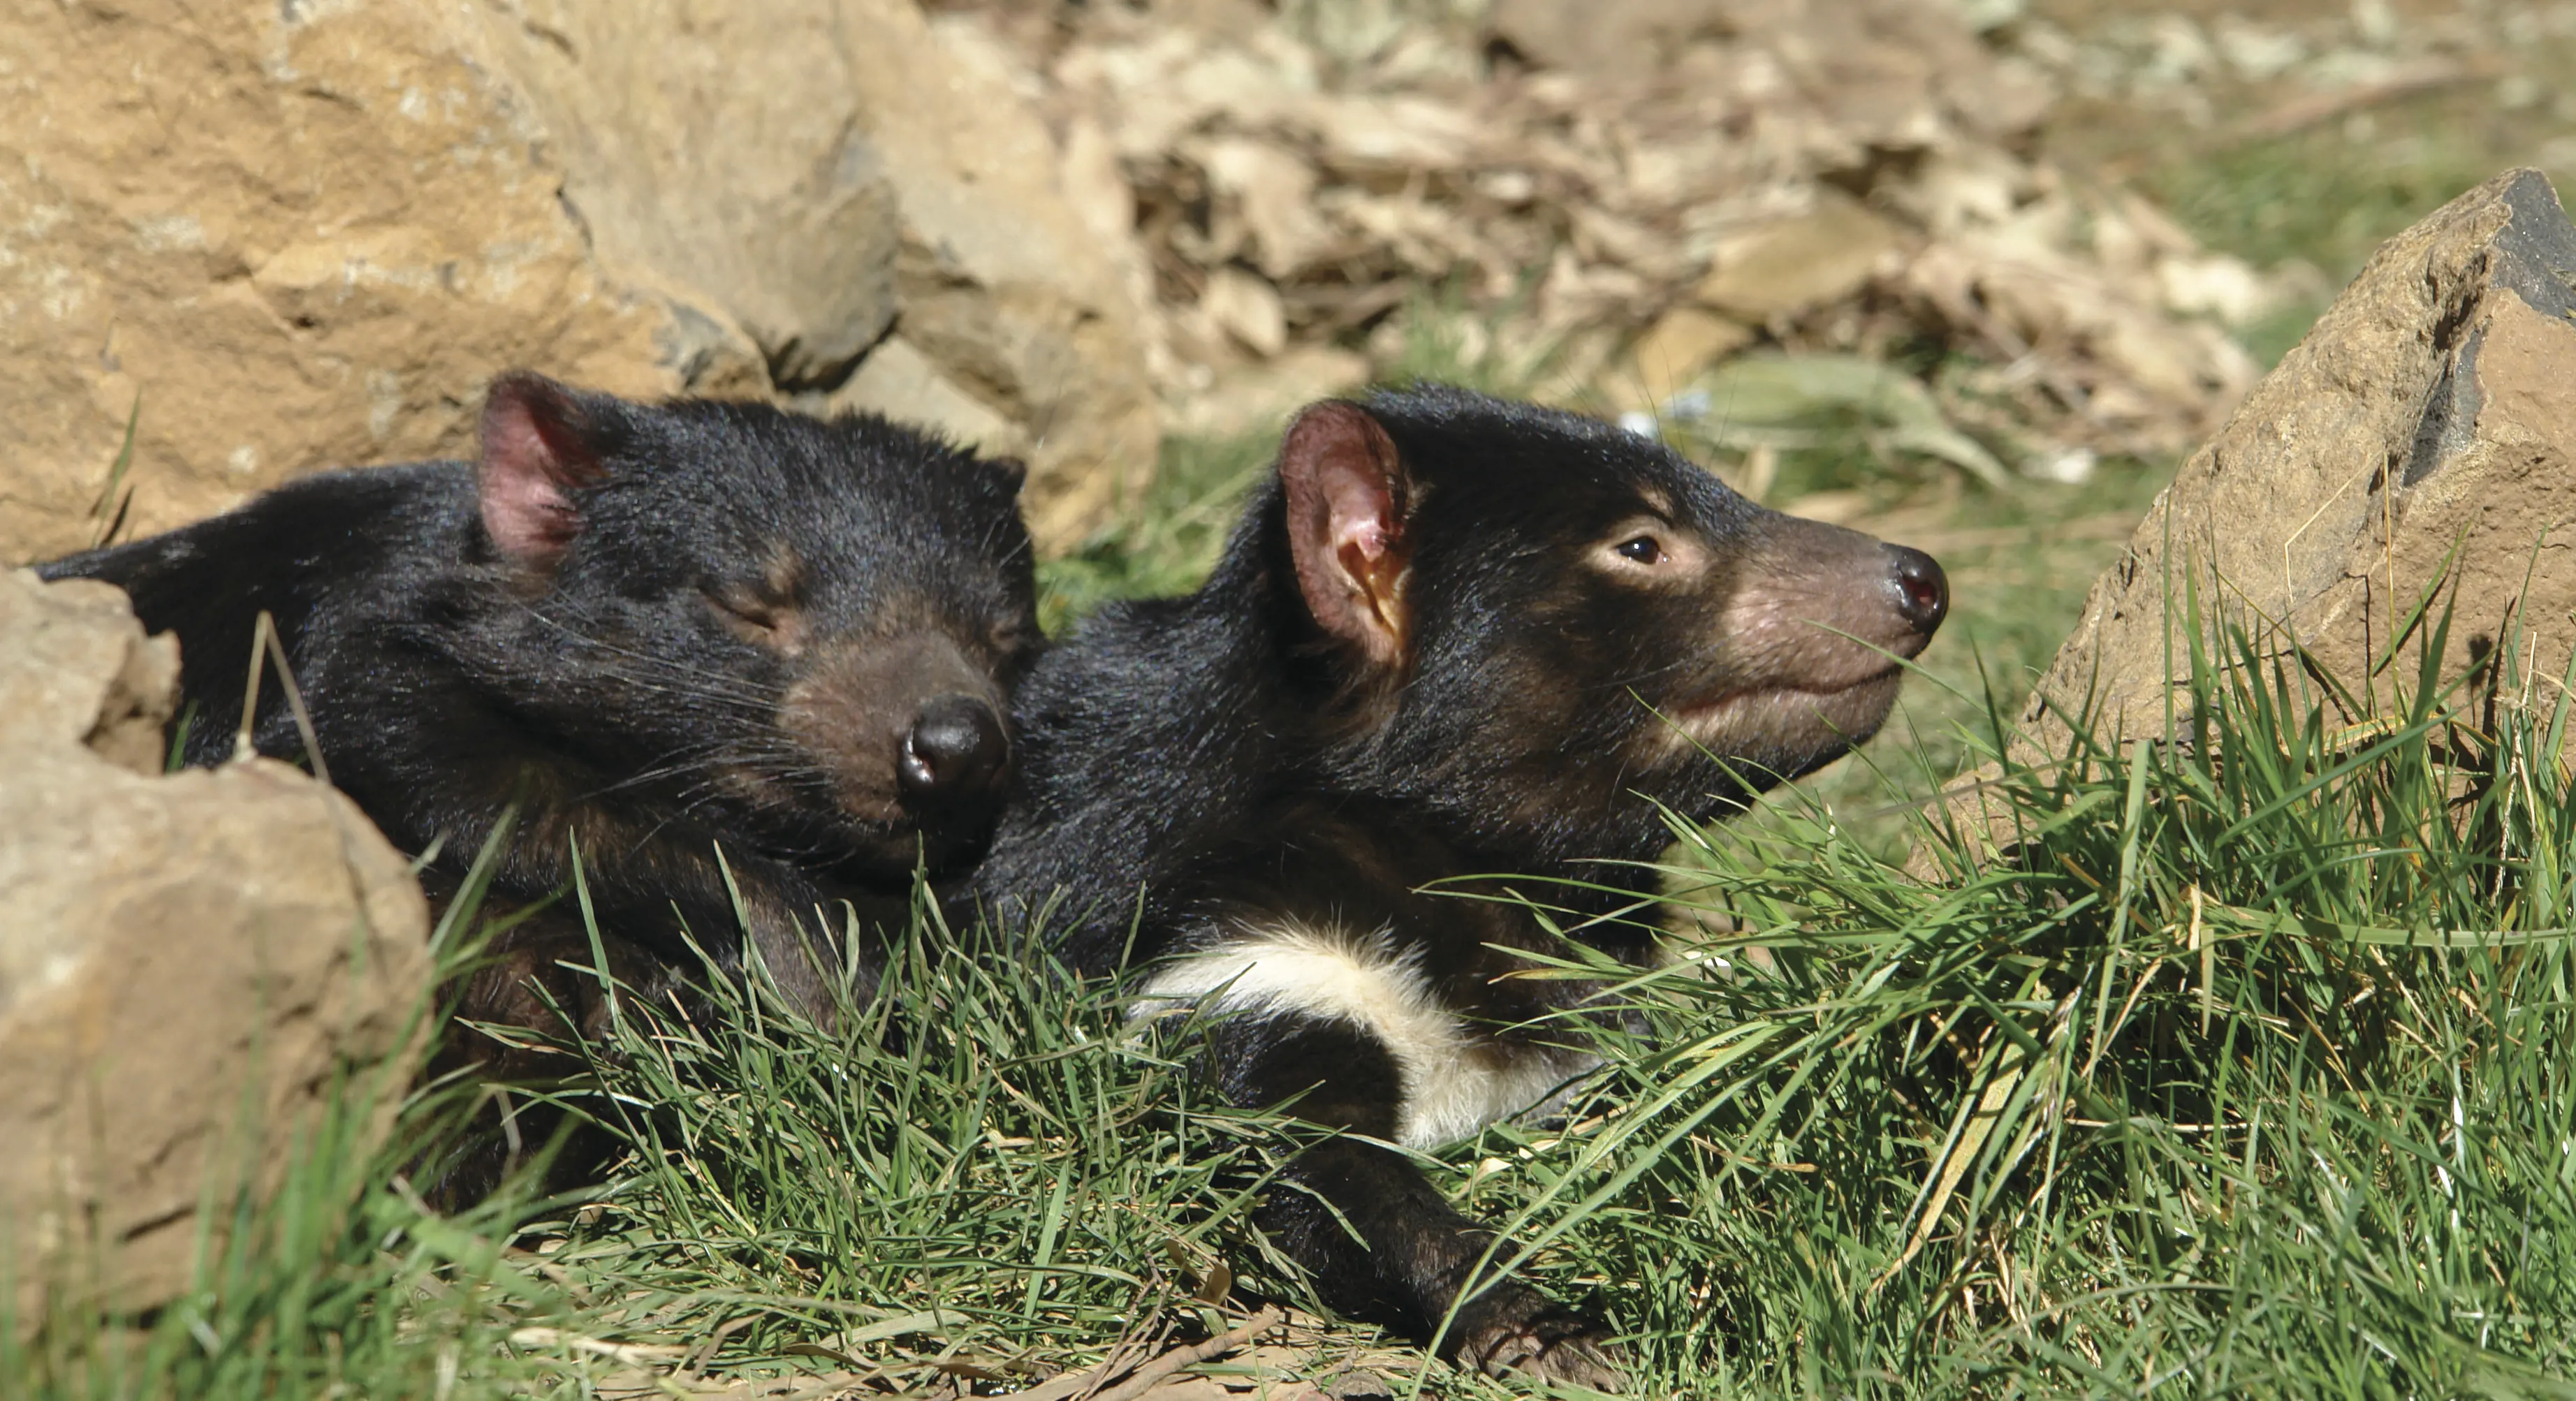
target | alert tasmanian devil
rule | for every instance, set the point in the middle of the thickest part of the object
(656, 630)
(1452, 637)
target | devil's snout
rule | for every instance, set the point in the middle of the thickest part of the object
(956, 752)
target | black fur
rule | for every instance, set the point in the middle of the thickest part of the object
(1272, 752)
(654, 629)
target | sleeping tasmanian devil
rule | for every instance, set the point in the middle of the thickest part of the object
(1453, 637)
(653, 630)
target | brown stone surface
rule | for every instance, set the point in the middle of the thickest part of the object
(306, 235)
(185, 958)
(2433, 407)
(301, 242)
(829, 170)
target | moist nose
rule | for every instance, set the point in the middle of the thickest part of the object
(1921, 590)
(955, 751)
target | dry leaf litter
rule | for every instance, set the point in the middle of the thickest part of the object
(1721, 220)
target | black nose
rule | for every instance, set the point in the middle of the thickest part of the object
(956, 751)
(1922, 590)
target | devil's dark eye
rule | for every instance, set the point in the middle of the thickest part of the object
(1642, 550)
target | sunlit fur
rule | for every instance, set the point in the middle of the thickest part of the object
(723, 647)
(1428, 675)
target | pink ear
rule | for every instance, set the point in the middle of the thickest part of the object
(1346, 487)
(537, 448)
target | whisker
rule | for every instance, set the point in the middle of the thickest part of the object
(716, 682)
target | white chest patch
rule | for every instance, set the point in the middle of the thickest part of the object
(1456, 1078)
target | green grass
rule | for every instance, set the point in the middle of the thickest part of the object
(2237, 1069)
(980, 1169)
(1165, 543)
(2234, 1066)
(2330, 194)
(2321, 197)
(2228, 1066)
(2317, 194)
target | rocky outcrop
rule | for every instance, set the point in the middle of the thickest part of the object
(2423, 433)
(303, 235)
(871, 200)
(186, 960)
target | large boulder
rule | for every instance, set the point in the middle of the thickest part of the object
(188, 964)
(2424, 431)
(304, 235)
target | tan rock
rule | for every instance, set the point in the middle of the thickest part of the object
(901, 382)
(301, 241)
(1003, 286)
(2432, 407)
(79, 672)
(715, 142)
(827, 169)
(188, 961)
(306, 235)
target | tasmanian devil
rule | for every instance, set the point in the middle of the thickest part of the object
(1452, 637)
(656, 631)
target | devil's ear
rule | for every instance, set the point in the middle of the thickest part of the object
(1013, 472)
(1347, 498)
(542, 441)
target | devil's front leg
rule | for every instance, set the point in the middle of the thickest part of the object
(1405, 1254)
